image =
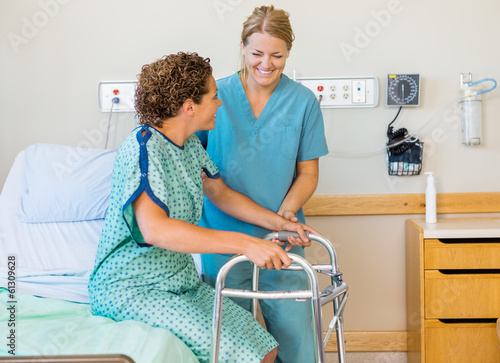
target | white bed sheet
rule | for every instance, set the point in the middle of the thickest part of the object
(52, 259)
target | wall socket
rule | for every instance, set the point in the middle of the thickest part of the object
(123, 90)
(343, 92)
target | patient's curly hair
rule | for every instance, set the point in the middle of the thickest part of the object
(166, 84)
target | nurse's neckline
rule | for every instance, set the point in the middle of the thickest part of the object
(244, 83)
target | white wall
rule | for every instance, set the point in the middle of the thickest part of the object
(53, 53)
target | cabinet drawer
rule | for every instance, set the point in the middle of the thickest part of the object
(459, 255)
(461, 296)
(461, 342)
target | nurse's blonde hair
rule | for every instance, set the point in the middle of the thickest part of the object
(268, 20)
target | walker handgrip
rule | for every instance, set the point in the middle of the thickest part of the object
(283, 235)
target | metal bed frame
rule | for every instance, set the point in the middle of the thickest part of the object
(335, 293)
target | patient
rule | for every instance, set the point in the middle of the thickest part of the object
(144, 269)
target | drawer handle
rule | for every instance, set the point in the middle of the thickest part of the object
(469, 240)
(470, 272)
(468, 321)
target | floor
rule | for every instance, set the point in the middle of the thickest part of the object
(368, 357)
(360, 357)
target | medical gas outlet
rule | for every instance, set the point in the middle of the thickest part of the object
(343, 92)
(117, 96)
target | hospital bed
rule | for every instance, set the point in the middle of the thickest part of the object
(51, 214)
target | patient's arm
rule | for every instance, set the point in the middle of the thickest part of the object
(176, 235)
(243, 208)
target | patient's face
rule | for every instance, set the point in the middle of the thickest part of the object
(207, 108)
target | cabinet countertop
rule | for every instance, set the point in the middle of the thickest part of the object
(460, 228)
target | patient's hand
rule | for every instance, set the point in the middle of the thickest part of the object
(265, 254)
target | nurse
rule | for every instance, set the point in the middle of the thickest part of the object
(266, 143)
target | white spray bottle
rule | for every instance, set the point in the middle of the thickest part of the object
(430, 200)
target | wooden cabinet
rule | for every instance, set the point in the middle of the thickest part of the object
(453, 290)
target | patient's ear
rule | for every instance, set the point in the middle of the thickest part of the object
(188, 107)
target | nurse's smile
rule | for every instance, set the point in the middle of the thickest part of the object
(263, 72)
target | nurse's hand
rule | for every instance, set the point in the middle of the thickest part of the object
(299, 228)
(288, 214)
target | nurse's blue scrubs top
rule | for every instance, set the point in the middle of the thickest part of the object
(258, 157)
(133, 280)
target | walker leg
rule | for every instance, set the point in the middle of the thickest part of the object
(340, 340)
(319, 354)
(255, 287)
(339, 326)
(216, 323)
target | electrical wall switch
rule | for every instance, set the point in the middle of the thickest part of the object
(123, 92)
(343, 92)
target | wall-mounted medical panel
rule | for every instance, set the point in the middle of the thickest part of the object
(343, 92)
(117, 96)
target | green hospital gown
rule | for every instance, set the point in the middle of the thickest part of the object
(133, 280)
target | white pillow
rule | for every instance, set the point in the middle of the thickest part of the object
(65, 184)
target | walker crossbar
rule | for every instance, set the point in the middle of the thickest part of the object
(272, 295)
(327, 296)
(336, 293)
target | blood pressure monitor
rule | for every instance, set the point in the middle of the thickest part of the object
(403, 89)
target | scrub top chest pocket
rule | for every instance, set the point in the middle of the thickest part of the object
(289, 139)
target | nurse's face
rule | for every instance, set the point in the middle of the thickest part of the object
(207, 108)
(265, 59)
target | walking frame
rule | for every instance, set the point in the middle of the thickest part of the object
(335, 293)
